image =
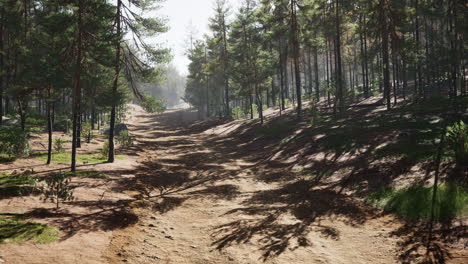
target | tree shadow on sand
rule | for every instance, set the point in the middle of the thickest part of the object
(104, 216)
(282, 218)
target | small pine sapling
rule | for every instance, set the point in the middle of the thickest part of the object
(57, 188)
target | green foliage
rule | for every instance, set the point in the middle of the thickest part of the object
(36, 121)
(152, 104)
(124, 139)
(104, 152)
(314, 111)
(59, 145)
(6, 158)
(254, 109)
(15, 230)
(237, 112)
(121, 115)
(17, 183)
(35, 130)
(415, 202)
(57, 188)
(14, 142)
(457, 139)
(86, 130)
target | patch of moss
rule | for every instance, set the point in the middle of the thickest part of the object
(14, 230)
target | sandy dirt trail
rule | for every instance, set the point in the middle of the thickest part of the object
(192, 194)
(204, 200)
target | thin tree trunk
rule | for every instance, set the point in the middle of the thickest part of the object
(309, 71)
(366, 64)
(327, 62)
(281, 72)
(49, 125)
(316, 69)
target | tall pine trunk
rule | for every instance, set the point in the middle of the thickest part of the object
(339, 75)
(296, 54)
(111, 157)
(77, 97)
(385, 55)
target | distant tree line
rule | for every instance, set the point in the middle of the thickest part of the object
(279, 52)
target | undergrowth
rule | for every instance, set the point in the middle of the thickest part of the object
(415, 202)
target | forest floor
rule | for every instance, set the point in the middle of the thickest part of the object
(236, 192)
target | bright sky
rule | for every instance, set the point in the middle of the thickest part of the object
(180, 14)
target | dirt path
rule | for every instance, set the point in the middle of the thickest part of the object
(193, 194)
(206, 200)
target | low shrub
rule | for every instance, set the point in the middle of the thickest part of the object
(86, 131)
(457, 139)
(104, 152)
(152, 104)
(14, 142)
(124, 139)
(415, 202)
(59, 145)
(57, 188)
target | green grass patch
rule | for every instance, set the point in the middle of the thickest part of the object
(415, 202)
(65, 158)
(87, 174)
(14, 230)
(93, 135)
(7, 158)
(9, 180)
(47, 140)
(15, 185)
(35, 130)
